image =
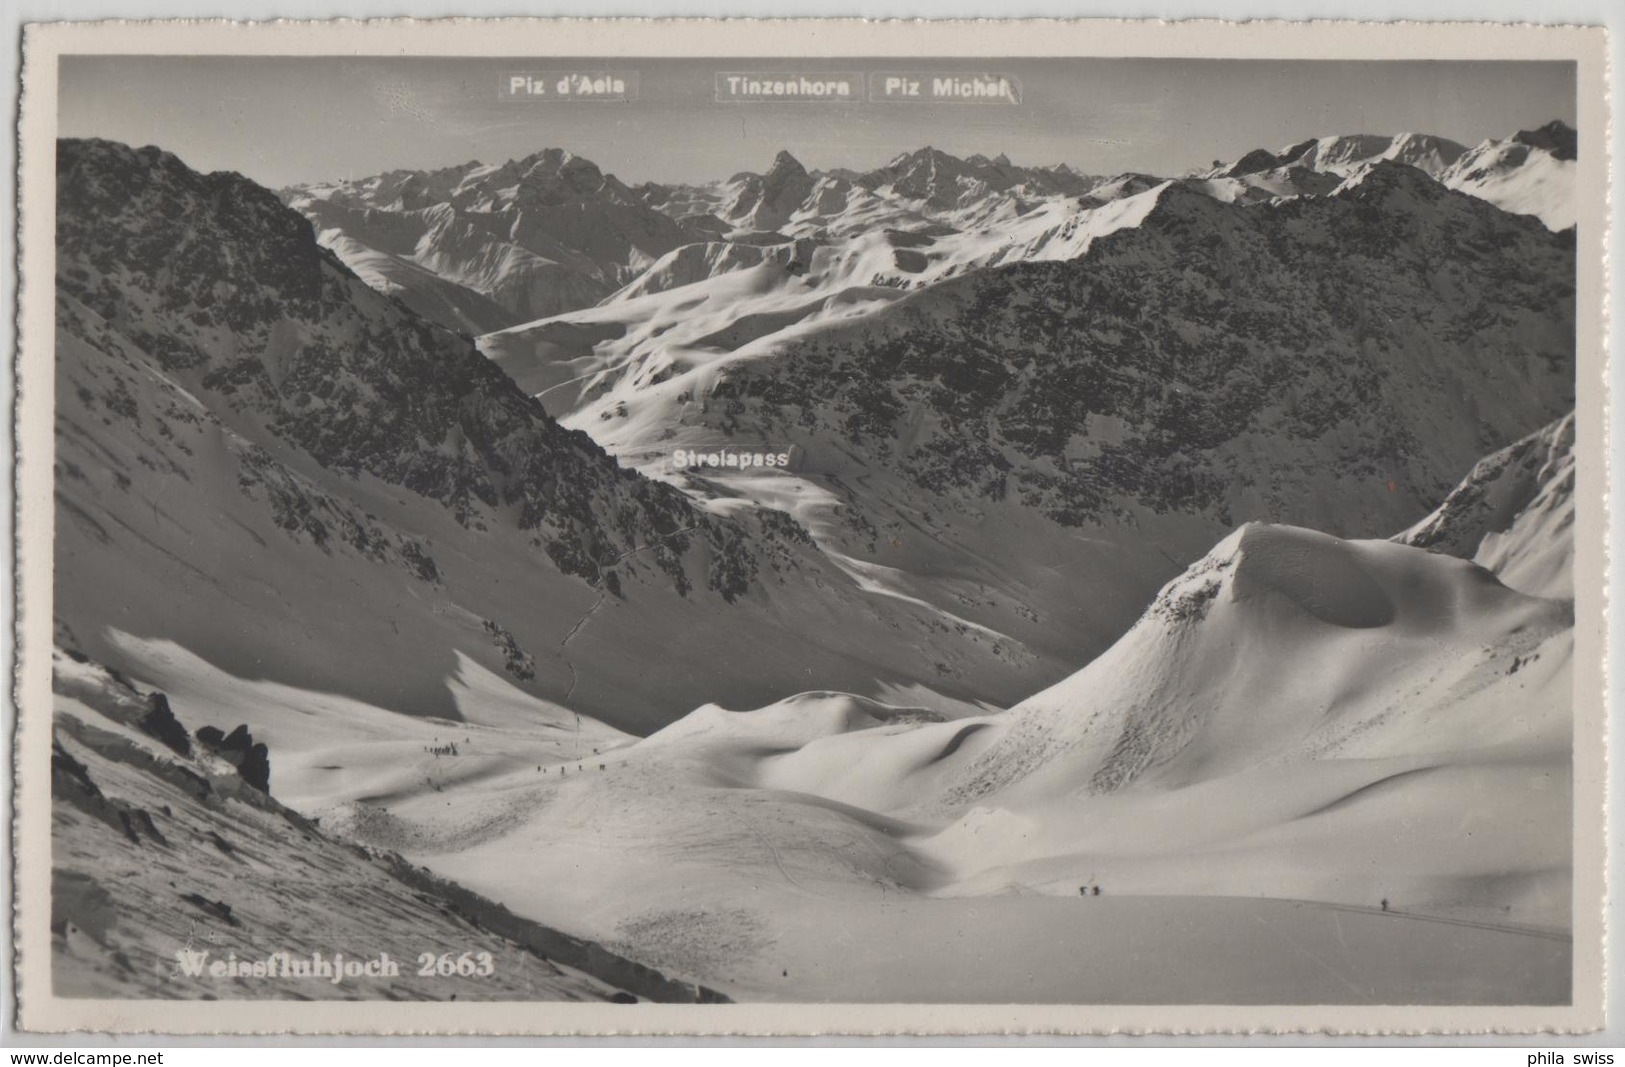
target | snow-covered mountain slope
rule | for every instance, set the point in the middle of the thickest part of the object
(1513, 513)
(331, 750)
(1533, 172)
(1345, 154)
(1266, 185)
(428, 294)
(1267, 650)
(534, 237)
(1297, 716)
(291, 476)
(1360, 734)
(1018, 435)
(1319, 166)
(160, 847)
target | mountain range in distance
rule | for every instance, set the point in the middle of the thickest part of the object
(479, 247)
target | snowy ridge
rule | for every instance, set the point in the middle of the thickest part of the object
(1532, 172)
(715, 302)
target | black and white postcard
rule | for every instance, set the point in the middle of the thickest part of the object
(691, 527)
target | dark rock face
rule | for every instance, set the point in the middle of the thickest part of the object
(70, 775)
(218, 909)
(71, 783)
(256, 768)
(1227, 361)
(80, 901)
(228, 290)
(162, 724)
(252, 759)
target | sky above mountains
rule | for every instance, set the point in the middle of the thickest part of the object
(282, 120)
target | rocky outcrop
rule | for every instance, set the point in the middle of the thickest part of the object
(252, 759)
(161, 723)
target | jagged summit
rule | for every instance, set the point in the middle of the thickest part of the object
(765, 202)
(580, 174)
(939, 182)
(930, 160)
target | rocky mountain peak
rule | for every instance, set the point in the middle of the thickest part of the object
(786, 165)
(1556, 137)
(228, 290)
(571, 174)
